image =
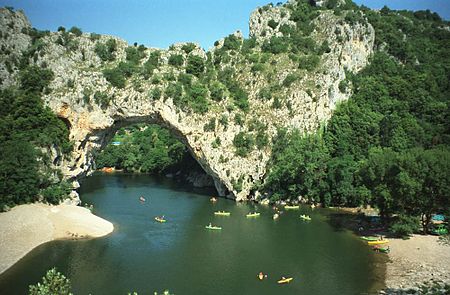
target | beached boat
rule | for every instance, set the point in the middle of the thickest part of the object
(284, 280)
(254, 214)
(222, 213)
(379, 242)
(213, 227)
(291, 207)
(305, 217)
(370, 238)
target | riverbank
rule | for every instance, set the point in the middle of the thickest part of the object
(28, 226)
(417, 260)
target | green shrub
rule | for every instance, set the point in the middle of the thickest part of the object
(106, 51)
(155, 94)
(52, 283)
(309, 62)
(290, 78)
(275, 45)
(217, 90)
(243, 143)
(102, 99)
(273, 24)
(404, 226)
(94, 37)
(176, 60)
(76, 31)
(231, 42)
(115, 77)
(210, 126)
(195, 65)
(133, 54)
(185, 79)
(258, 67)
(188, 47)
(35, 79)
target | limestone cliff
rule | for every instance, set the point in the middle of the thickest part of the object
(93, 108)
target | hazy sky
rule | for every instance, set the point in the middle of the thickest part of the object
(159, 23)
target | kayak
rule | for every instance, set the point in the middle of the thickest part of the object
(254, 214)
(213, 227)
(159, 219)
(305, 217)
(370, 238)
(285, 280)
(287, 207)
(222, 213)
(378, 242)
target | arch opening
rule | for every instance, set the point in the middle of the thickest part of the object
(145, 145)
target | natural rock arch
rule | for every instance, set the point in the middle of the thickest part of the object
(76, 93)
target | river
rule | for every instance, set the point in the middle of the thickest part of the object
(181, 255)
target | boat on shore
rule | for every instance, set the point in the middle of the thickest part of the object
(377, 248)
(370, 238)
(108, 169)
(254, 214)
(291, 207)
(379, 242)
(222, 213)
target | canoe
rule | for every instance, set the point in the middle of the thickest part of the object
(285, 281)
(255, 214)
(287, 207)
(378, 242)
(370, 238)
(213, 227)
(305, 217)
(222, 213)
(159, 219)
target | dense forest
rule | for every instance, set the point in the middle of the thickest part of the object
(148, 149)
(28, 130)
(388, 145)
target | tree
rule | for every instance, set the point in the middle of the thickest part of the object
(52, 283)
(195, 65)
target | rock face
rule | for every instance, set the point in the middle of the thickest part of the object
(79, 84)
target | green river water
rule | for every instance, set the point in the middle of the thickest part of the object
(182, 256)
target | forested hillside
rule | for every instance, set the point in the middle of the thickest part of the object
(388, 145)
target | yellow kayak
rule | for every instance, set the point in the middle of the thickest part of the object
(377, 242)
(254, 214)
(287, 207)
(159, 219)
(222, 213)
(305, 217)
(285, 280)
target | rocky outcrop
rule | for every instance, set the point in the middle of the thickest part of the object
(79, 84)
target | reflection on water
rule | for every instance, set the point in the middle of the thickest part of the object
(181, 255)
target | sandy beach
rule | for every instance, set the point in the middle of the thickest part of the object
(28, 226)
(418, 259)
